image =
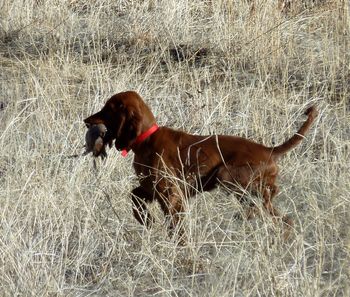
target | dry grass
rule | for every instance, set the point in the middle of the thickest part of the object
(233, 67)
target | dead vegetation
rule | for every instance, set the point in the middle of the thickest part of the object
(203, 66)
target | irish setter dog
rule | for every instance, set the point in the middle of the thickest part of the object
(172, 164)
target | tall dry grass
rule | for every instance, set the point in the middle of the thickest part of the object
(228, 67)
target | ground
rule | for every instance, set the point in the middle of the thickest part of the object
(247, 68)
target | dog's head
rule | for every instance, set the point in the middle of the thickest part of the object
(126, 116)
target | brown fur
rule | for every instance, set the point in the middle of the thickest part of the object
(202, 162)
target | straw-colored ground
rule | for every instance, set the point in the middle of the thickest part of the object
(247, 68)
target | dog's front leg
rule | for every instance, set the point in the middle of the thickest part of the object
(172, 205)
(140, 198)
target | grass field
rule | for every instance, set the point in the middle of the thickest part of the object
(247, 68)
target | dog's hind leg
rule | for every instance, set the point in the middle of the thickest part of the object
(257, 180)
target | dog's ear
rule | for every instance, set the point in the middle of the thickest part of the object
(94, 119)
(131, 127)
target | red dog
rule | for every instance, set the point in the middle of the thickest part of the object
(172, 164)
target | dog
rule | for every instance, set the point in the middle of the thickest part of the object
(172, 164)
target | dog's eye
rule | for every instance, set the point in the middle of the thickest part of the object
(121, 106)
(103, 133)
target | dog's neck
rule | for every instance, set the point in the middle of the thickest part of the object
(141, 138)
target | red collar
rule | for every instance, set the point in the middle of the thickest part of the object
(142, 137)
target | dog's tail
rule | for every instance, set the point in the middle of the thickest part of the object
(311, 113)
